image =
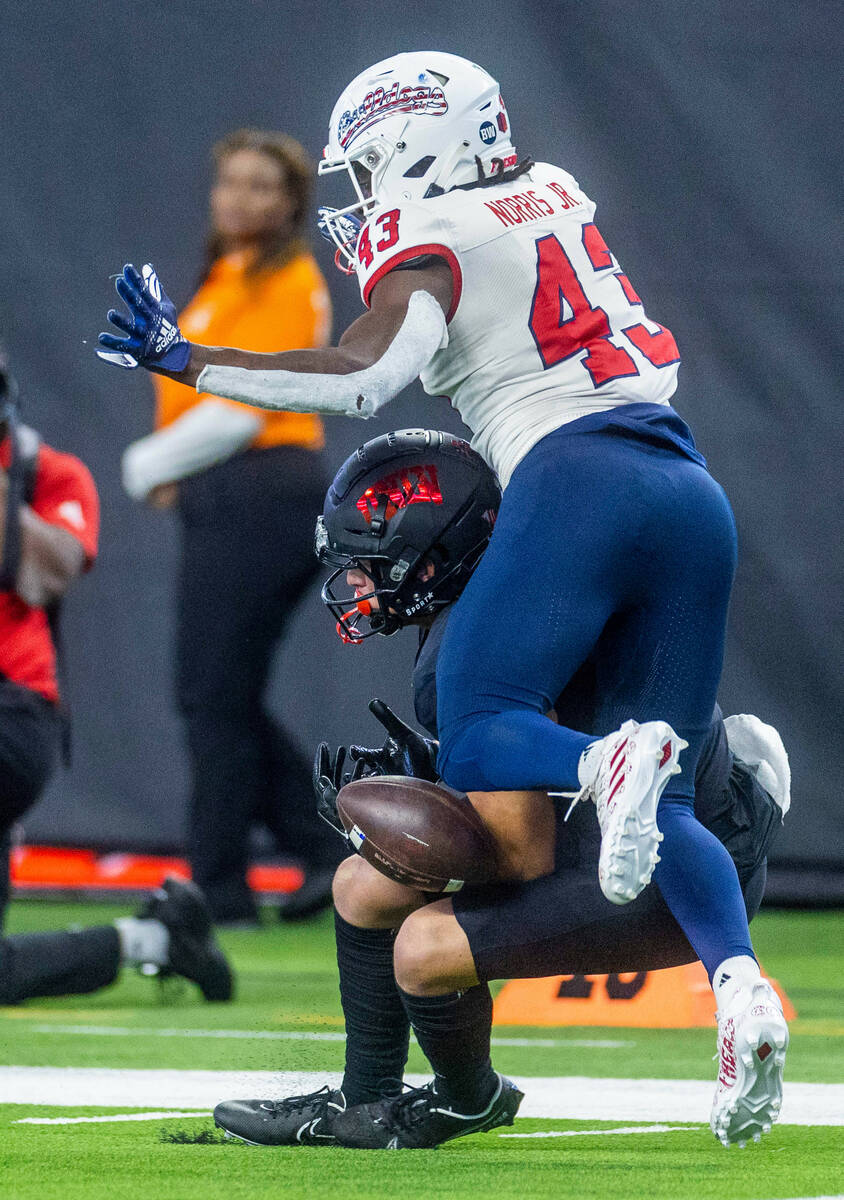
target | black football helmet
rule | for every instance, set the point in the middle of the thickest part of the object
(414, 510)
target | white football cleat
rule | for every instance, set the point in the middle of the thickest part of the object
(625, 774)
(752, 1041)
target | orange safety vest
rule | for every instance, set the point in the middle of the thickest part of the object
(286, 308)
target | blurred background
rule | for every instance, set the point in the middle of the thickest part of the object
(709, 136)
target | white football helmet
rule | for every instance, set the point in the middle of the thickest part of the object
(410, 127)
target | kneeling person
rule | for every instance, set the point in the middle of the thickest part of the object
(406, 522)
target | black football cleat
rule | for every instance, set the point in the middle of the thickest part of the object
(180, 906)
(416, 1120)
(296, 1121)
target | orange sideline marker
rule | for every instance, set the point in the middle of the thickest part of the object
(676, 998)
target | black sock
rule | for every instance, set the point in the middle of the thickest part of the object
(453, 1033)
(377, 1027)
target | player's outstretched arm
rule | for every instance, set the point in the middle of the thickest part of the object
(378, 356)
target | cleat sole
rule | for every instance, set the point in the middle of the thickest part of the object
(753, 1103)
(235, 1137)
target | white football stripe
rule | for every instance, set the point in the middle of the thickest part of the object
(567, 1098)
(625, 1129)
(293, 1035)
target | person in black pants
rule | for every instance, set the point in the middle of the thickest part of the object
(247, 485)
(241, 578)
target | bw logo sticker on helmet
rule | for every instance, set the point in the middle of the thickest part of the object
(488, 133)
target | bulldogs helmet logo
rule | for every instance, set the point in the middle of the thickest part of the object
(379, 104)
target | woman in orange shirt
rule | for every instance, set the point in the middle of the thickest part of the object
(246, 483)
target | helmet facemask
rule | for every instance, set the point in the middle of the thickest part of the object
(372, 606)
(366, 169)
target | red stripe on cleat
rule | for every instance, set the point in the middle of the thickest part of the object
(615, 789)
(618, 751)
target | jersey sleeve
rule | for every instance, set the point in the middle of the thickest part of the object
(396, 236)
(65, 495)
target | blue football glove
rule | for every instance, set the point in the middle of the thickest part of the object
(343, 232)
(153, 337)
(347, 228)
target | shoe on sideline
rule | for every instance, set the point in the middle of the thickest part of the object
(193, 952)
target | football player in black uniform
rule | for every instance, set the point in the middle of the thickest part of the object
(406, 521)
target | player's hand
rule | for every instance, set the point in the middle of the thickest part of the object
(328, 778)
(163, 496)
(151, 328)
(405, 752)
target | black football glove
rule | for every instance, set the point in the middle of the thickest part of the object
(405, 752)
(328, 777)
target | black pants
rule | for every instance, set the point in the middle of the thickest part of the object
(247, 560)
(40, 964)
(563, 923)
(30, 732)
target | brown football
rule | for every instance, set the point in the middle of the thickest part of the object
(424, 835)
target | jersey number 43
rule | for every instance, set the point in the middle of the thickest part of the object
(558, 336)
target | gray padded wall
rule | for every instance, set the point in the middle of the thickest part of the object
(706, 134)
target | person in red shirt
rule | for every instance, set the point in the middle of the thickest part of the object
(49, 526)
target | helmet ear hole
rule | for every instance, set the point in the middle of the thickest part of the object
(419, 167)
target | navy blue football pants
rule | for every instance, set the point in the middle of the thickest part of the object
(616, 548)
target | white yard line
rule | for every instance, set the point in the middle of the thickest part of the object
(144, 1116)
(625, 1129)
(293, 1035)
(567, 1098)
(167, 1116)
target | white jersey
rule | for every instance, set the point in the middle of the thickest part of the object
(544, 327)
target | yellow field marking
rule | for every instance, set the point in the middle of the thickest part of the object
(817, 1028)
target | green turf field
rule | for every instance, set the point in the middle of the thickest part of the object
(287, 986)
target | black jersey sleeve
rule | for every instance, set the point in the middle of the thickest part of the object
(425, 673)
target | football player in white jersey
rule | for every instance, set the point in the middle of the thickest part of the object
(486, 276)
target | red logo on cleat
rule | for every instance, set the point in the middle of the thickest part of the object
(763, 1051)
(666, 754)
(727, 1073)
